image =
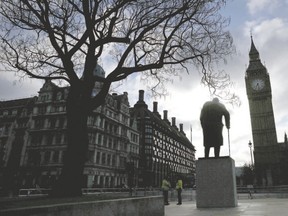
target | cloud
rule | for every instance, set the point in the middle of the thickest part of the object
(256, 6)
(268, 29)
(12, 87)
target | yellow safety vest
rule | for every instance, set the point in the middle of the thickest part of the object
(179, 184)
(165, 184)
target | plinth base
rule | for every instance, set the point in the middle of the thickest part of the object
(216, 183)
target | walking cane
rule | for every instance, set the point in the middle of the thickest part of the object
(228, 140)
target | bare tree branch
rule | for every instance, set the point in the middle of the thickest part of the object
(66, 40)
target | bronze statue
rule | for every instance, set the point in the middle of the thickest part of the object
(212, 126)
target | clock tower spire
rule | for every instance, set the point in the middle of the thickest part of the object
(258, 88)
(253, 54)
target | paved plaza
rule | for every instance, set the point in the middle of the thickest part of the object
(247, 207)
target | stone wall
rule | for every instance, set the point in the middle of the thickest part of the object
(140, 206)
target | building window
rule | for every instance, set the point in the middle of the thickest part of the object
(49, 139)
(103, 158)
(41, 109)
(113, 160)
(62, 157)
(34, 157)
(39, 123)
(110, 142)
(124, 132)
(47, 157)
(14, 112)
(56, 157)
(97, 121)
(125, 120)
(61, 123)
(44, 97)
(134, 138)
(108, 159)
(98, 158)
(148, 149)
(148, 139)
(36, 139)
(122, 161)
(52, 123)
(5, 129)
(148, 128)
(114, 143)
(58, 138)
(91, 156)
(99, 139)
(104, 141)
(59, 96)
(115, 129)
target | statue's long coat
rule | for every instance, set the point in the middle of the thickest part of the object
(211, 122)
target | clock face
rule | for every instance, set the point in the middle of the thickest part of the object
(257, 84)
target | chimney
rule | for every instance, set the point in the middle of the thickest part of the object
(166, 116)
(181, 127)
(174, 123)
(141, 103)
(141, 95)
(155, 107)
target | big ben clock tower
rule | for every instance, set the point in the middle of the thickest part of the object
(258, 88)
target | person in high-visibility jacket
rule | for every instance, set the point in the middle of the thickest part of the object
(165, 188)
(179, 187)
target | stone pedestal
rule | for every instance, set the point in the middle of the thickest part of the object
(215, 183)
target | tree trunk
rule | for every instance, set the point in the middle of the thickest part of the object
(71, 179)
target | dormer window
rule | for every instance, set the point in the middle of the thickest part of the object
(44, 97)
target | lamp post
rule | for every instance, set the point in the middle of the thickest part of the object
(250, 146)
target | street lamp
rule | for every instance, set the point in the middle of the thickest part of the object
(250, 146)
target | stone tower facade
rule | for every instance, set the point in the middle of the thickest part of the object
(258, 88)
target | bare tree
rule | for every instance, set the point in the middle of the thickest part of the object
(66, 39)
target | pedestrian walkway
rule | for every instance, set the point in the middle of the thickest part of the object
(249, 207)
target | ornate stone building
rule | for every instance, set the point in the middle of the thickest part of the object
(165, 150)
(33, 140)
(269, 155)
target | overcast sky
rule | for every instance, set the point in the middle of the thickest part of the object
(268, 22)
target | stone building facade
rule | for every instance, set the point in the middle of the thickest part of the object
(165, 150)
(33, 140)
